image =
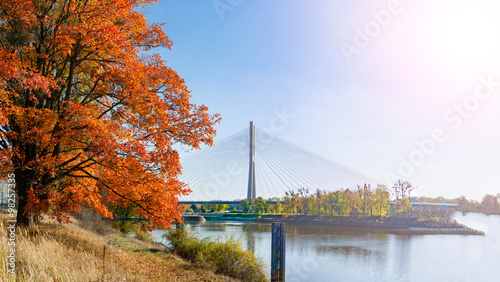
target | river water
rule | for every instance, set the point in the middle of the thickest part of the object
(320, 253)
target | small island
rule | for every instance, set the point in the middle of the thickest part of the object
(362, 208)
(395, 224)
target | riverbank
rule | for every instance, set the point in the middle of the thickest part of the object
(79, 252)
(224, 256)
(410, 225)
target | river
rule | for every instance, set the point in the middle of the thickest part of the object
(321, 253)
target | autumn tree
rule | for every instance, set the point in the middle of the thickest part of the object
(222, 207)
(322, 198)
(465, 205)
(275, 205)
(402, 192)
(489, 205)
(88, 113)
(302, 195)
(381, 201)
(353, 201)
(313, 207)
(293, 202)
(367, 199)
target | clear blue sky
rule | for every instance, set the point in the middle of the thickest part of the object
(369, 83)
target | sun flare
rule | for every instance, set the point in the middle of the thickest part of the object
(466, 36)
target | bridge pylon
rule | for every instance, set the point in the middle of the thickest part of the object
(251, 168)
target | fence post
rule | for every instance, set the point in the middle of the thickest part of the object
(103, 263)
(278, 252)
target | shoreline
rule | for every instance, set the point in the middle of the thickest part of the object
(398, 225)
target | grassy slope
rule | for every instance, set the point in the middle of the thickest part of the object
(55, 252)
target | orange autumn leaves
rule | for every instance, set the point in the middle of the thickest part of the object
(88, 113)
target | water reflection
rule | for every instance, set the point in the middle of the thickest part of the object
(216, 226)
(250, 236)
(348, 250)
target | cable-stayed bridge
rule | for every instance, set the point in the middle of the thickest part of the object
(253, 163)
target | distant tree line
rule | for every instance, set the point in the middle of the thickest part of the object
(208, 208)
(363, 201)
(360, 201)
(489, 205)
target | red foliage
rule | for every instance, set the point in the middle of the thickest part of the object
(88, 115)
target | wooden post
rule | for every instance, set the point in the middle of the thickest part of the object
(103, 263)
(278, 252)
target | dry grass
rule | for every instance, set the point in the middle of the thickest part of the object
(54, 252)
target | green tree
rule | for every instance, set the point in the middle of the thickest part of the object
(261, 205)
(247, 205)
(331, 203)
(313, 204)
(341, 203)
(212, 207)
(194, 208)
(322, 198)
(119, 211)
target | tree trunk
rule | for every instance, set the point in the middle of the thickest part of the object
(22, 185)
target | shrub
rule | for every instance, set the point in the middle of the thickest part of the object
(187, 246)
(223, 256)
(92, 221)
(144, 236)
